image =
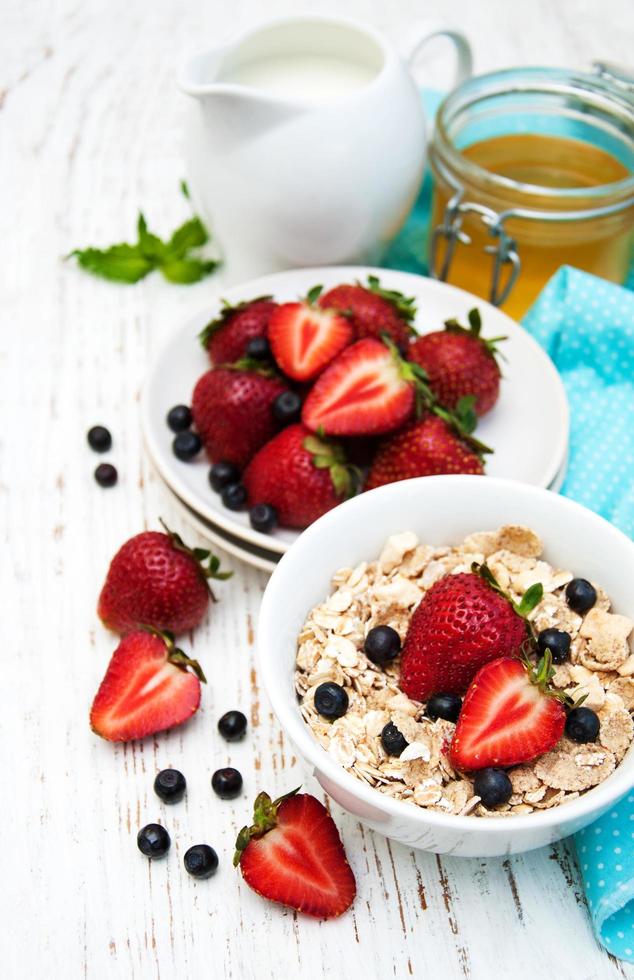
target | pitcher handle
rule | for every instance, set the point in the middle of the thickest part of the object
(425, 31)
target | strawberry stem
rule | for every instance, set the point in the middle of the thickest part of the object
(531, 598)
(328, 455)
(174, 654)
(200, 556)
(264, 819)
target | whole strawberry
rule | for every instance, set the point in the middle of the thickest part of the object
(373, 311)
(425, 448)
(147, 688)
(463, 622)
(226, 338)
(233, 410)
(299, 475)
(156, 580)
(460, 363)
(293, 854)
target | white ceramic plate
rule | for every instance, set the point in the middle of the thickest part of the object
(528, 428)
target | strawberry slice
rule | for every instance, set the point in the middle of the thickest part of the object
(146, 689)
(304, 338)
(367, 390)
(509, 715)
(293, 854)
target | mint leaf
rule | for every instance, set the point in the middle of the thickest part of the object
(187, 270)
(151, 245)
(191, 234)
(119, 263)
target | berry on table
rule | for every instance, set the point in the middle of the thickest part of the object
(331, 700)
(446, 706)
(232, 726)
(170, 785)
(287, 407)
(263, 517)
(226, 783)
(234, 496)
(258, 348)
(581, 595)
(557, 641)
(394, 742)
(382, 644)
(493, 786)
(201, 861)
(582, 725)
(179, 418)
(153, 840)
(222, 473)
(186, 445)
(99, 439)
(106, 475)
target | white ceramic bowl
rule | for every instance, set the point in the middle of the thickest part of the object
(441, 510)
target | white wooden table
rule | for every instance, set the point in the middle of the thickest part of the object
(90, 130)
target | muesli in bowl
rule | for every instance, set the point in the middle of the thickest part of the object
(472, 680)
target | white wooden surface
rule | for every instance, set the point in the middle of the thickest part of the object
(89, 117)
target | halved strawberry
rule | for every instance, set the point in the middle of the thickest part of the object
(304, 339)
(367, 390)
(293, 854)
(509, 715)
(146, 689)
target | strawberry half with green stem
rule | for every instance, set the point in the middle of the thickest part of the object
(156, 580)
(226, 338)
(373, 311)
(150, 685)
(460, 363)
(463, 621)
(305, 338)
(293, 854)
(232, 408)
(300, 475)
(510, 715)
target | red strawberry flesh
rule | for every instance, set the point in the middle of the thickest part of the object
(305, 339)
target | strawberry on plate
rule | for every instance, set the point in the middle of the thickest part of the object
(460, 363)
(509, 715)
(293, 854)
(156, 580)
(300, 475)
(233, 410)
(146, 689)
(367, 390)
(226, 338)
(304, 338)
(373, 311)
(427, 447)
(462, 622)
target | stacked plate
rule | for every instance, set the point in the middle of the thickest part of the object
(528, 428)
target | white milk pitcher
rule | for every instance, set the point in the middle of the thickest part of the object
(307, 142)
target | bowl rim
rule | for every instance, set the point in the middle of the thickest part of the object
(598, 798)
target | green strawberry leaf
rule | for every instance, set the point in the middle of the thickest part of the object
(313, 295)
(405, 306)
(531, 598)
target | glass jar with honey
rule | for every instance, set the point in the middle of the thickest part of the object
(533, 169)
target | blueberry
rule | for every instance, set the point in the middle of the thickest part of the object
(234, 496)
(557, 641)
(179, 418)
(263, 517)
(201, 861)
(227, 783)
(153, 840)
(393, 741)
(382, 644)
(222, 473)
(258, 348)
(232, 726)
(581, 595)
(331, 701)
(106, 475)
(99, 439)
(445, 706)
(170, 785)
(493, 787)
(582, 725)
(186, 445)
(287, 407)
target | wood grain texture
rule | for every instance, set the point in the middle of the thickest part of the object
(89, 131)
